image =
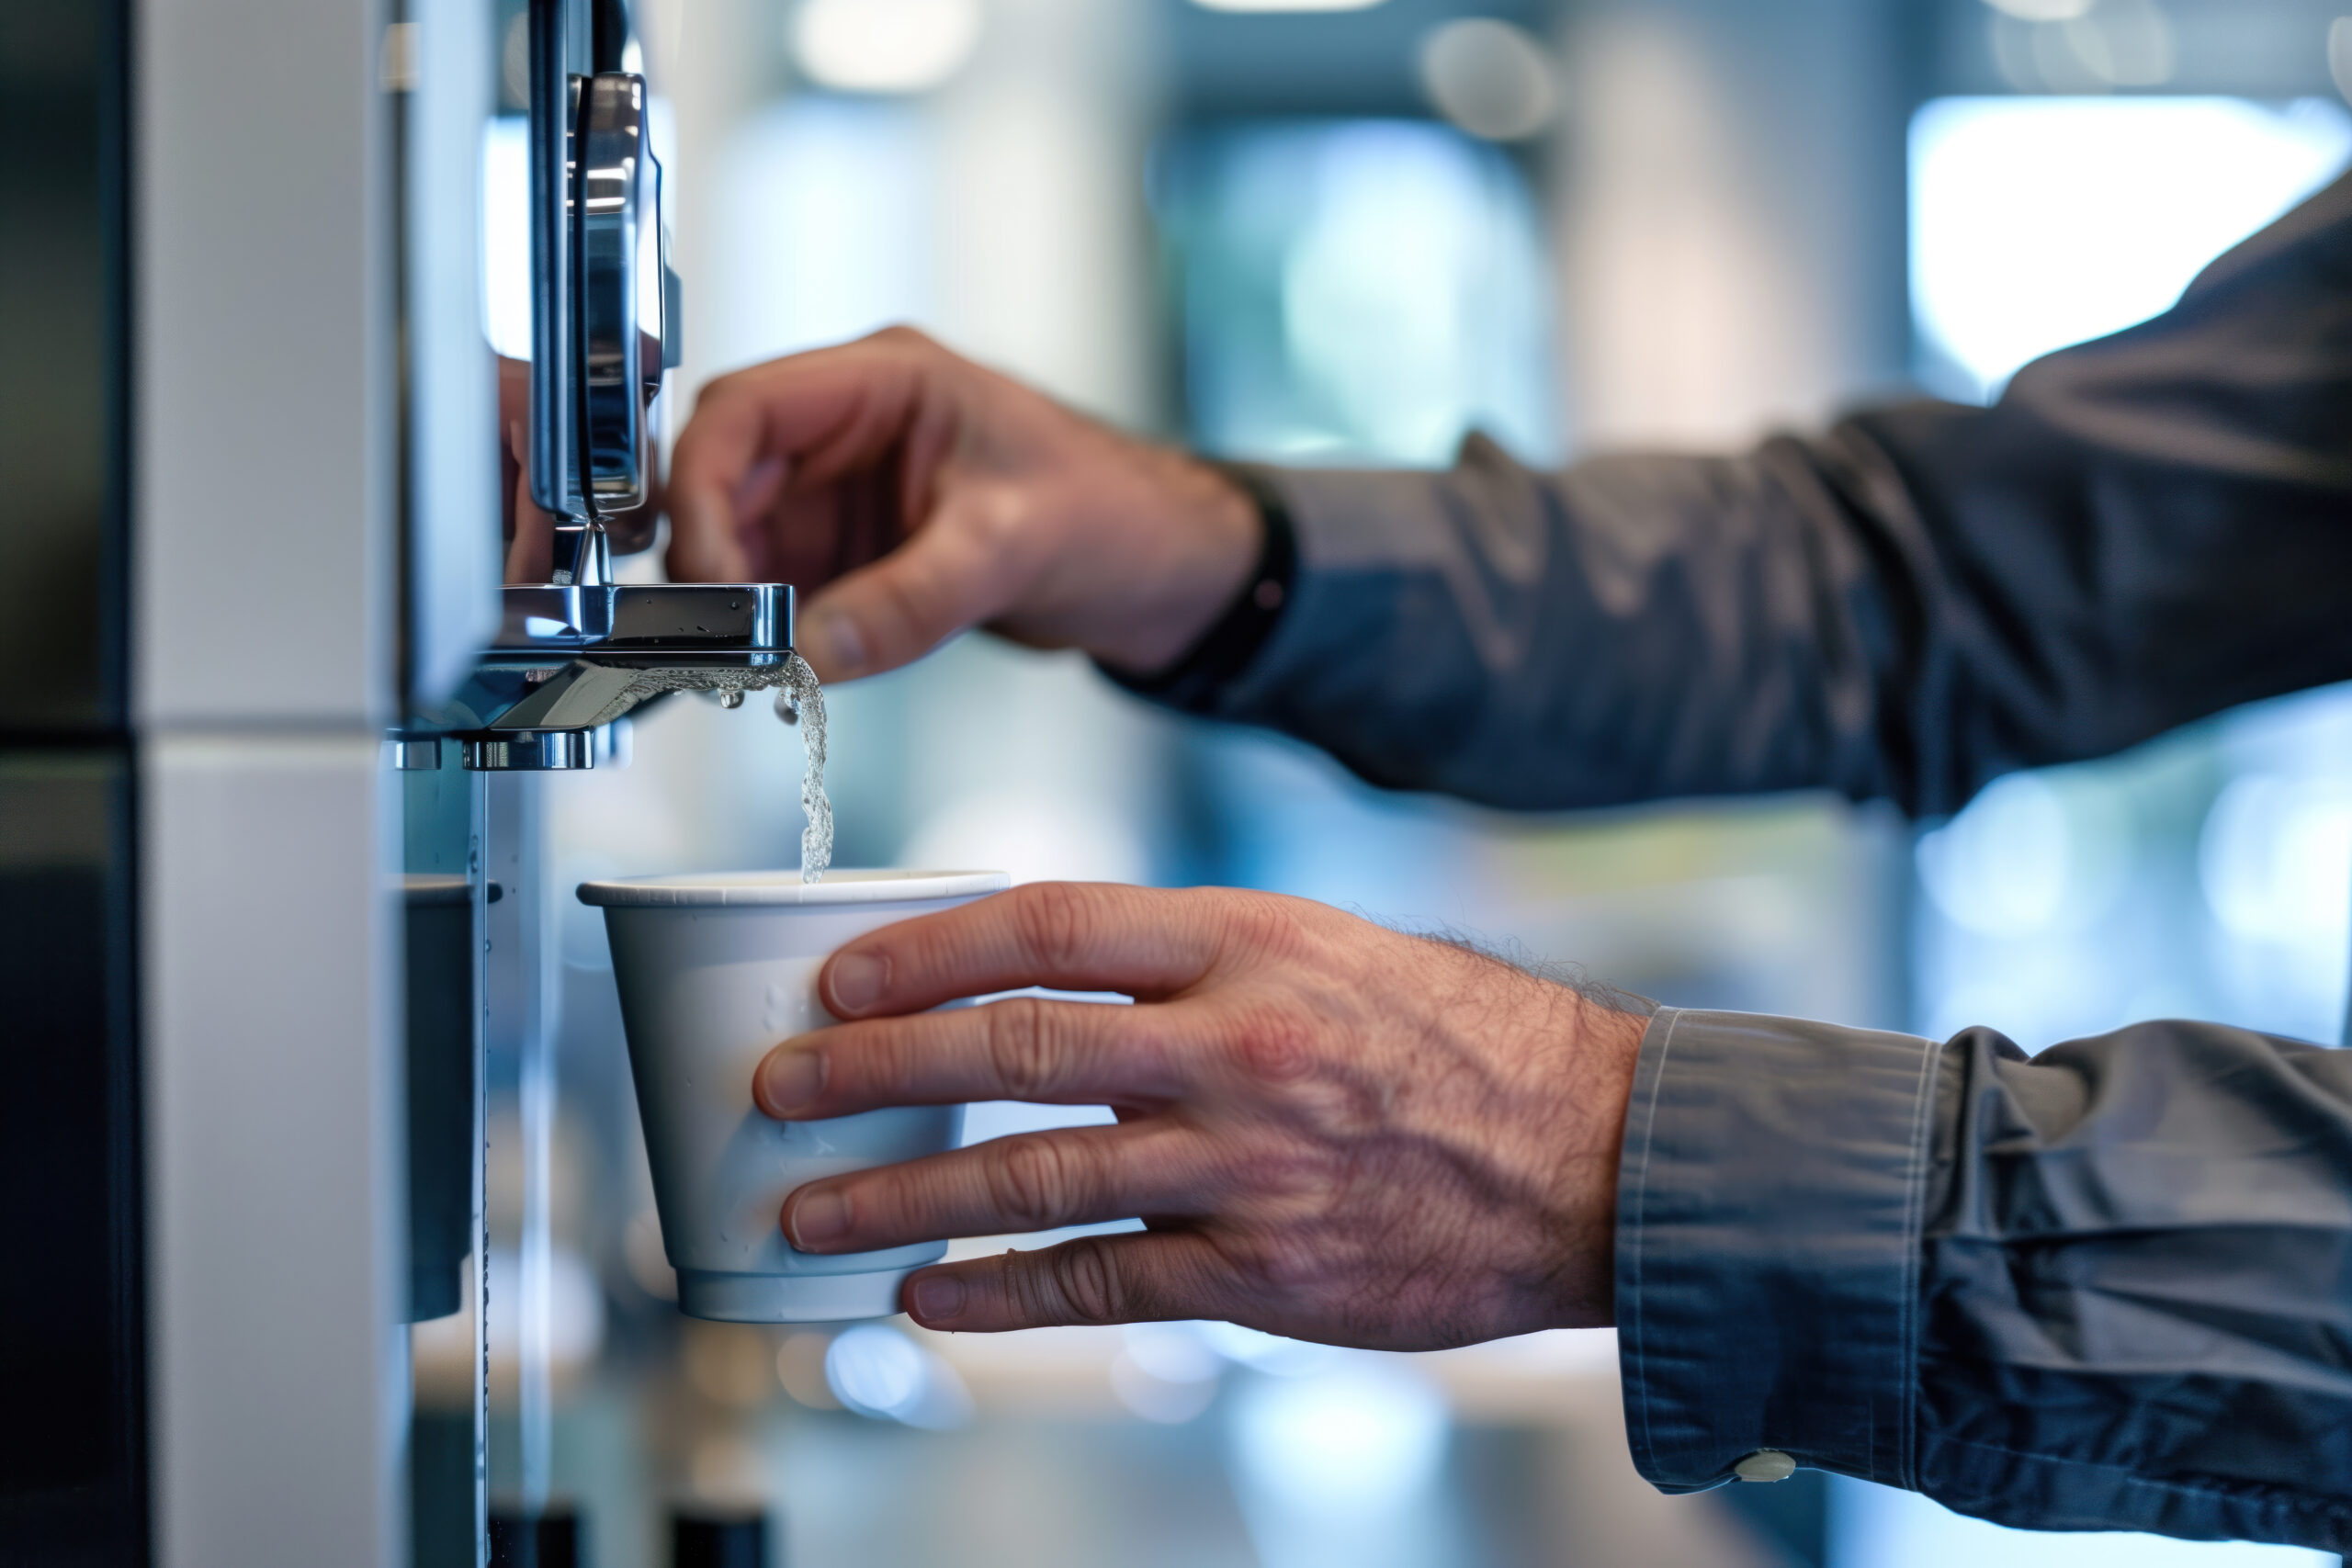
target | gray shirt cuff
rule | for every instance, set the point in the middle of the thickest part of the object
(1769, 1214)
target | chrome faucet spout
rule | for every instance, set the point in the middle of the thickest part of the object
(570, 658)
(584, 553)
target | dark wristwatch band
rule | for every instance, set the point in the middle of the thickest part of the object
(1226, 649)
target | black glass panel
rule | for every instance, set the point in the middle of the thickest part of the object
(61, 390)
(72, 1440)
(71, 1393)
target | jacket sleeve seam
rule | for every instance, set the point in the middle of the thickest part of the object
(2128, 1477)
(1913, 1223)
(1641, 1198)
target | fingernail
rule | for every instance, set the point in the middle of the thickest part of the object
(818, 1218)
(936, 1298)
(834, 638)
(791, 1079)
(855, 981)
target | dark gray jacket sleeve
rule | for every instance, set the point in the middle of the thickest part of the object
(2107, 1288)
(2110, 1288)
(2144, 530)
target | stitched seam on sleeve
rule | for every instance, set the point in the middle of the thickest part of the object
(1642, 1192)
(2125, 1475)
(1914, 1221)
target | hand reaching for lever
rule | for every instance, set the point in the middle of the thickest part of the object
(910, 494)
(1331, 1131)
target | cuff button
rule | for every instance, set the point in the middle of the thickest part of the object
(1764, 1464)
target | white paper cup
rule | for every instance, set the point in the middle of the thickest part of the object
(713, 971)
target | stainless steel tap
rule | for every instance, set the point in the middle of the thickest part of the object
(572, 657)
(580, 652)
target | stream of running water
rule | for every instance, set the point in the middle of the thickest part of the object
(802, 701)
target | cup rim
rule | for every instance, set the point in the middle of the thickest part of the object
(753, 889)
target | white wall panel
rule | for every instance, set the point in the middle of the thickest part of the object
(264, 571)
(264, 553)
(274, 1154)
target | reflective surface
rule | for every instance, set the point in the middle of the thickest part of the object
(558, 48)
(74, 1315)
(570, 659)
(619, 230)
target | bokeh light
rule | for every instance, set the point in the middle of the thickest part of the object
(875, 1370)
(1358, 291)
(1361, 1435)
(2038, 222)
(883, 46)
(1165, 1372)
(2042, 10)
(1489, 77)
(1261, 5)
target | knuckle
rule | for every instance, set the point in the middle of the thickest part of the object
(1286, 1265)
(1086, 1276)
(1289, 1176)
(1025, 1281)
(716, 391)
(1051, 920)
(1022, 1047)
(1289, 1265)
(997, 542)
(1275, 1048)
(898, 335)
(744, 390)
(999, 516)
(1032, 1182)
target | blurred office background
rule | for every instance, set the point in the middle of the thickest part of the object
(1334, 232)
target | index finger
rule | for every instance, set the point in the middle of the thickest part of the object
(1075, 936)
(821, 414)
